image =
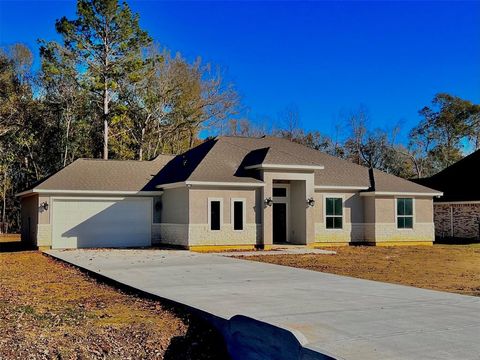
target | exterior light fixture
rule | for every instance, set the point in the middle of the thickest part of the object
(268, 201)
(311, 202)
(44, 206)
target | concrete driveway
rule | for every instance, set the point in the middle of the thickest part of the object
(338, 316)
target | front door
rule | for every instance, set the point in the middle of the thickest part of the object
(279, 223)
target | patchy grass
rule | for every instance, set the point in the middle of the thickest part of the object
(52, 310)
(452, 268)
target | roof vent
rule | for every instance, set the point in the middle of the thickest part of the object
(184, 161)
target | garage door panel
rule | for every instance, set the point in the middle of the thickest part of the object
(101, 223)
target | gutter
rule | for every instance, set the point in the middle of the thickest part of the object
(88, 192)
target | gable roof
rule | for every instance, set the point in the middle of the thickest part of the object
(458, 182)
(223, 160)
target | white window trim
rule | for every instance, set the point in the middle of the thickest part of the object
(210, 199)
(396, 212)
(232, 213)
(336, 196)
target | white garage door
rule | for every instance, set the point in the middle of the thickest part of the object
(81, 223)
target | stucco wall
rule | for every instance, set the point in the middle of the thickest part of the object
(199, 232)
(44, 231)
(298, 212)
(353, 215)
(385, 221)
(267, 219)
(29, 215)
(174, 206)
(457, 220)
(174, 217)
(373, 219)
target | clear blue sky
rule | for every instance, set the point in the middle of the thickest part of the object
(324, 57)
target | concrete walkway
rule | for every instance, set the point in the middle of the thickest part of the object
(339, 316)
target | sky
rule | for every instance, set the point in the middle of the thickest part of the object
(325, 58)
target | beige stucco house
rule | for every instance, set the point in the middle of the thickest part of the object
(229, 192)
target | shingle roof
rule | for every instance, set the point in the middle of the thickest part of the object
(105, 175)
(458, 182)
(222, 159)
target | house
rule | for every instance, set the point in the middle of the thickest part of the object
(457, 212)
(228, 192)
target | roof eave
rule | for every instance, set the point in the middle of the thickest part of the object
(337, 187)
(404, 193)
(88, 192)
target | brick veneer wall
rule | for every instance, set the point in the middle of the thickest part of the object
(465, 218)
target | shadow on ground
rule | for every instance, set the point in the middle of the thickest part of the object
(12, 246)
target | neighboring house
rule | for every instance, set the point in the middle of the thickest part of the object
(229, 192)
(457, 212)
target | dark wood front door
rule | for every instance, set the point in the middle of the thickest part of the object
(279, 223)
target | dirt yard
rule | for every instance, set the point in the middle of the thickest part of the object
(49, 310)
(441, 267)
(9, 238)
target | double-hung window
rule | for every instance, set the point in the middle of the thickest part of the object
(334, 213)
(404, 213)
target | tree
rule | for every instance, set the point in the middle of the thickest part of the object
(17, 110)
(443, 127)
(106, 42)
(172, 103)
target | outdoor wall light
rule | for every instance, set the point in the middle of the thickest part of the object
(44, 206)
(268, 201)
(311, 202)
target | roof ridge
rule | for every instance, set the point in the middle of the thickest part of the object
(115, 160)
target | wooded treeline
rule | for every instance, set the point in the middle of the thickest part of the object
(449, 128)
(108, 91)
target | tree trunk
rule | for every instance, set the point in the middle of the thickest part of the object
(105, 121)
(140, 150)
(66, 142)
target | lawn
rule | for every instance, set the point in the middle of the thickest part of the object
(452, 268)
(51, 310)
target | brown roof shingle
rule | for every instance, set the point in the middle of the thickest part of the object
(222, 159)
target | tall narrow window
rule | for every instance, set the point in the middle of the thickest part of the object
(215, 209)
(238, 215)
(334, 213)
(405, 213)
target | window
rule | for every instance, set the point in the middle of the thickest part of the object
(215, 214)
(405, 213)
(238, 213)
(334, 213)
(279, 192)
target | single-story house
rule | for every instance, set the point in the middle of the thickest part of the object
(228, 192)
(457, 212)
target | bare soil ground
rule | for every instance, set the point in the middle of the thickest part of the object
(452, 268)
(49, 310)
(9, 238)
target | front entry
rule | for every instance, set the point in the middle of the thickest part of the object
(279, 223)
